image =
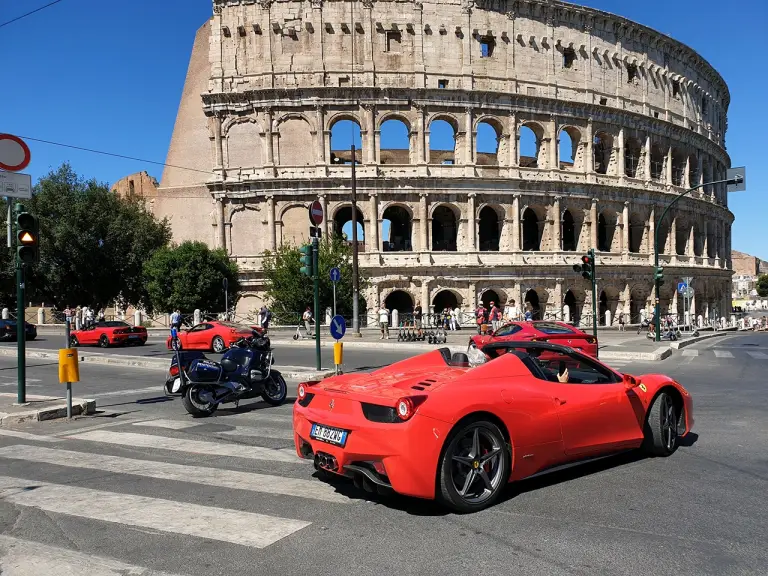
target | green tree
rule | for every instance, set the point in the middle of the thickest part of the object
(92, 244)
(762, 285)
(190, 276)
(289, 292)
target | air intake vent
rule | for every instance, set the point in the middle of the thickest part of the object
(417, 387)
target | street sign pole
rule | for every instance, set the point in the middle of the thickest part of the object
(355, 279)
(315, 249)
(335, 277)
(594, 296)
(21, 396)
(334, 298)
(68, 344)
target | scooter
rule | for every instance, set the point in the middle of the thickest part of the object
(245, 371)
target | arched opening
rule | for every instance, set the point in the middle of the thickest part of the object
(569, 232)
(530, 145)
(638, 297)
(681, 238)
(609, 302)
(531, 231)
(442, 142)
(399, 300)
(532, 299)
(678, 167)
(568, 147)
(244, 146)
(444, 229)
(693, 171)
(445, 299)
(573, 310)
(636, 233)
(657, 162)
(711, 243)
(344, 133)
(606, 229)
(663, 232)
(490, 296)
(394, 143)
(490, 231)
(602, 308)
(698, 241)
(487, 144)
(603, 151)
(342, 226)
(396, 229)
(294, 133)
(633, 151)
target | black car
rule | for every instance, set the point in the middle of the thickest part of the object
(8, 330)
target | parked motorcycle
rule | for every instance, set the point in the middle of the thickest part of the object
(245, 371)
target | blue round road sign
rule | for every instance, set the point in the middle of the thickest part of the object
(335, 274)
(338, 327)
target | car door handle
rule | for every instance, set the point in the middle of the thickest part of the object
(559, 402)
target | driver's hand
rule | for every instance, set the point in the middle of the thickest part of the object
(563, 377)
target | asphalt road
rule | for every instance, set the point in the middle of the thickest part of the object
(143, 485)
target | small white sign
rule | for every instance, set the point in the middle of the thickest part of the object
(15, 185)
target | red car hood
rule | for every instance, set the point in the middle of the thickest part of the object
(428, 372)
(481, 340)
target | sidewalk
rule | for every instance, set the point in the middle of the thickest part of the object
(40, 408)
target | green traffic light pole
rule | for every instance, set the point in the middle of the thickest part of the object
(593, 278)
(657, 280)
(315, 262)
(21, 336)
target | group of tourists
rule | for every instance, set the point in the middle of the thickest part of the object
(83, 317)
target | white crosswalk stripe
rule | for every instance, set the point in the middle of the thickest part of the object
(758, 355)
(244, 431)
(723, 354)
(690, 352)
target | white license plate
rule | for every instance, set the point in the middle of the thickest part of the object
(327, 434)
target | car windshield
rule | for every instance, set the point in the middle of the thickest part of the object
(508, 330)
(235, 326)
(551, 328)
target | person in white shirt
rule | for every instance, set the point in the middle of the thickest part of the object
(455, 318)
(384, 322)
(307, 317)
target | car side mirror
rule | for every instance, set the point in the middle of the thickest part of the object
(630, 381)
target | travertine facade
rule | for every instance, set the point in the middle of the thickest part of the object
(645, 117)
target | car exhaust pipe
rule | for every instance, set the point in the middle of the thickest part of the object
(317, 462)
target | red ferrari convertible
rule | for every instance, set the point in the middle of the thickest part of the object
(434, 426)
(540, 331)
(214, 335)
(111, 333)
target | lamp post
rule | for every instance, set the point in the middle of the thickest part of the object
(737, 178)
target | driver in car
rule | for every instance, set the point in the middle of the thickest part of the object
(478, 358)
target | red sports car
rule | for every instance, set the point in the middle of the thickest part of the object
(111, 333)
(540, 331)
(434, 426)
(214, 335)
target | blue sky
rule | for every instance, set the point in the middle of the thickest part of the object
(108, 75)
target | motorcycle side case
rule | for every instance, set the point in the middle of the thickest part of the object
(204, 370)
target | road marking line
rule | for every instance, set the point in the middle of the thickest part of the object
(169, 424)
(259, 432)
(27, 436)
(222, 524)
(131, 440)
(722, 354)
(233, 479)
(25, 557)
(690, 352)
(758, 355)
(158, 389)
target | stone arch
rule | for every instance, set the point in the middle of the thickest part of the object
(345, 129)
(607, 224)
(294, 131)
(293, 224)
(244, 147)
(342, 224)
(602, 148)
(657, 163)
(633, 154)
(532, 153)
(532, 222)
(400, 300)
(636, 232)
(446, 297)
(490, 220)
(678, 167)
(244, 225)
(682, 236)
(493, 294)
(443, 127)
(693, 171)
(400, 227)
(537, 298)
(445, 227)
(575, 299)
(395, 140)
(698, 239)
(489, 133)
(570, 234)
(569, 148)
(639, 296)
(608, 301)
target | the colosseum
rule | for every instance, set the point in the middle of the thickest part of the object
(567, 128)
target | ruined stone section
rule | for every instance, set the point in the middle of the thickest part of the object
(496, 142)
(138, 185)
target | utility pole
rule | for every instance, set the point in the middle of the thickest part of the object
(355, 274)
(588, 271)
(315, 268)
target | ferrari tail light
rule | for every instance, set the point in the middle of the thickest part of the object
(406, 407)
(302, 392)
(174, 370)
(302, 389)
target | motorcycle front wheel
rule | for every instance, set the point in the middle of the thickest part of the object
(275, 389)
(198, 401)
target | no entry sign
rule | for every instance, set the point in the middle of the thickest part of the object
(14, 153)
(316, 213)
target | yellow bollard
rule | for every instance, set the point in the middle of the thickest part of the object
(69, 370)
(338, 353)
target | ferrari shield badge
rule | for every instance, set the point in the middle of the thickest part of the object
(331, 405)
(643, 388)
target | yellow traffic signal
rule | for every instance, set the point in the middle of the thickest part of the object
(28, 237)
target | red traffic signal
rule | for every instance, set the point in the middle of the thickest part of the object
(586, 259)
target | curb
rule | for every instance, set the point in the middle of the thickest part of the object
(658, 354)
(686, 343)
(79, 406)
(151, 363)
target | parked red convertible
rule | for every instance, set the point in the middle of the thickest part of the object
(112, 333)
(433, 426)
(214, 335)
(541, 331)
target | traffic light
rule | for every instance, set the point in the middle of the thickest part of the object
(658, 275)
(28, 237)
(587, 266)
(306, 260)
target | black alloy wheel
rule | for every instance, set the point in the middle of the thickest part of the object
(104, 341)
(661, 426)
(474, 468)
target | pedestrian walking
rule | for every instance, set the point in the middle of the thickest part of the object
(101, 316)
(494, 316)
(480, 317)
(308, 320)
(265, 315)
(384, 322)
(621, 322)
(417, 316)
(176, 319)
